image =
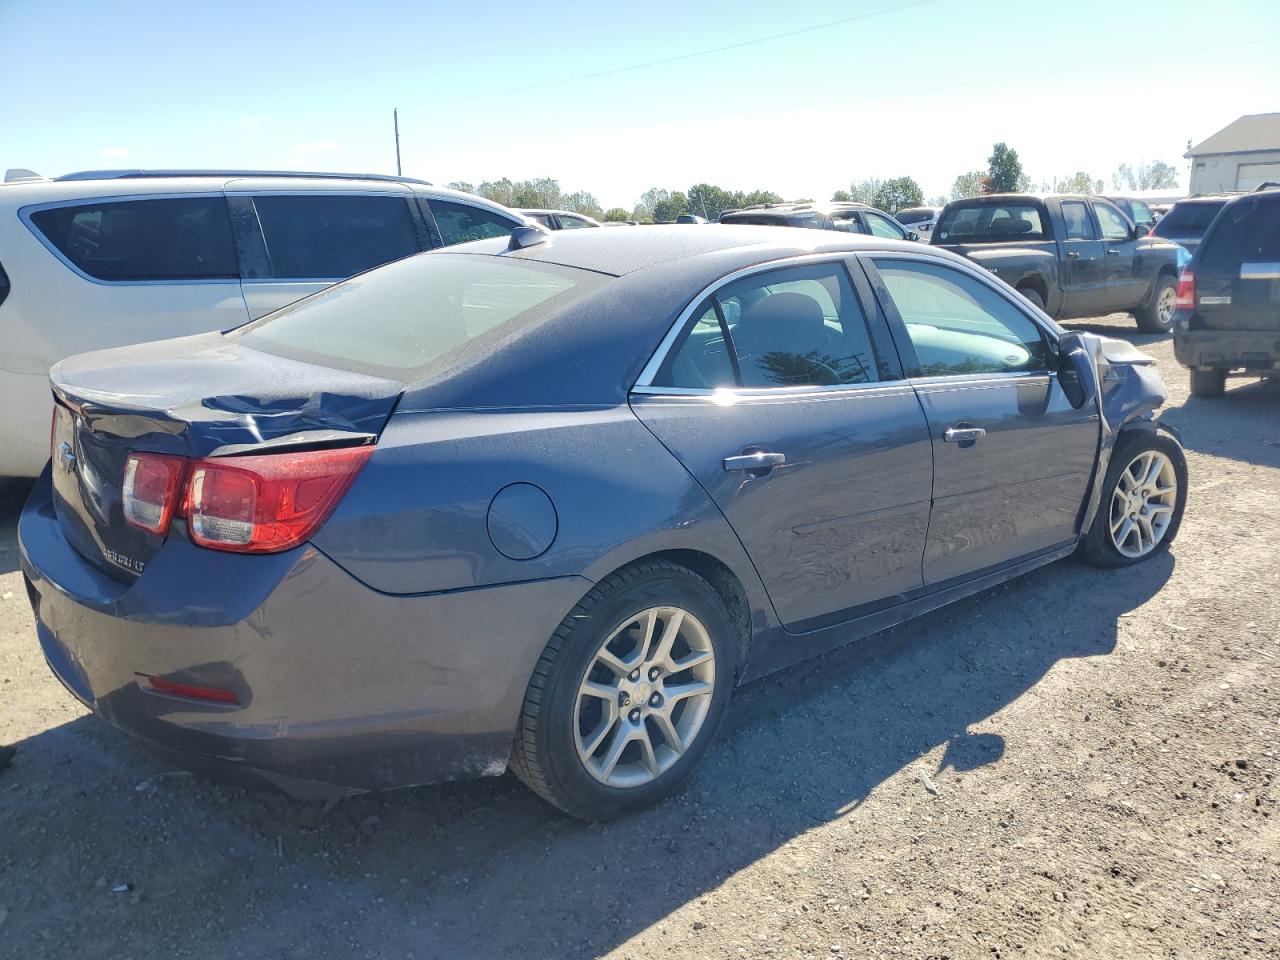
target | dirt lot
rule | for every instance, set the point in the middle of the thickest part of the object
(1080, 764)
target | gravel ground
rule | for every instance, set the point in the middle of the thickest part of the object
(1079, 763)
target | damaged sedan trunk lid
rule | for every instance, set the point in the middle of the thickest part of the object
(260, 403)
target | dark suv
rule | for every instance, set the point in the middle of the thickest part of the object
(1188, 219)
(1228, 317)
(849, 217)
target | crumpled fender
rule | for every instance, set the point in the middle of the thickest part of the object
(1130, 390)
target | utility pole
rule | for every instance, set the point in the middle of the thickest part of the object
(395, 118)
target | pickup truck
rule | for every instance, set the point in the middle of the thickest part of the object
(1071, 256)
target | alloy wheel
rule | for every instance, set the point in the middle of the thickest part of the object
(1143, 503)
(1167, 306)
(644, 697)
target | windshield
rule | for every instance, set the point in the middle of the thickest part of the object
(425, 313)
(1188, 219)
(990, 223)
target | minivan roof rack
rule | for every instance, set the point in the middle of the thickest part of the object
(301, 174)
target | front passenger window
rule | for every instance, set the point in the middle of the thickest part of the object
(461, 222)
(1114, 225)
(958, 325)
(884, 227)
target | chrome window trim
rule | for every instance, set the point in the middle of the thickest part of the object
(644, 382)
(25, 214)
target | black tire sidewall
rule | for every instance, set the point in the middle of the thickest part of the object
(580, 792)
(1149, 317)
(1131, 443)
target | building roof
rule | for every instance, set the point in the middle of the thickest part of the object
(1249, 134)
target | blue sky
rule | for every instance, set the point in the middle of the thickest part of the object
(922, 91)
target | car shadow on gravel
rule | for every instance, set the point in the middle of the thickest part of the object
(484, 869)
(13, 494)
(1244, 424)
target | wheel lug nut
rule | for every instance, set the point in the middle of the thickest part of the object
(653, 673)
(626, 700)
(655, 700)
(635, 675)
(634, 716)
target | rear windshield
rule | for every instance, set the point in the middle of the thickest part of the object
(757, 219)
(1188, 219)
(990, 223)
(426, 313)
(907, 217)
(1249, 232)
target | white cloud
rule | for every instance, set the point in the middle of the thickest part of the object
(316, 146)
(114, 152)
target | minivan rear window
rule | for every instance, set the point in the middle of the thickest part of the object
(427, 313)
(990, 223)
(172, 238)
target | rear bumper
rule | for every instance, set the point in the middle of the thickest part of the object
(1253, 350)
(340, 689)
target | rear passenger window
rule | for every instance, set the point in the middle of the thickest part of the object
(846, 222)
(959, 325)
(334, 236)
(801, 326)
(461, 222)
(1078, 222)
(179, 238)
(884, 227)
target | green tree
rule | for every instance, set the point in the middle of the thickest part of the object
(616, 214)
(1145, 176)
(672, 206)
(864, 191)
(841, 196)
(708, 200)
(756, 197)
(582, 202)
(463, 186)
(898, 194)
(542, 192)
(1004, 171)
(967, 185)
(1078, 182)
(648, 202)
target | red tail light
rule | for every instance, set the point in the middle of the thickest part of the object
(1187, 291)
(191, 691)
(267, 503)
(152, 488)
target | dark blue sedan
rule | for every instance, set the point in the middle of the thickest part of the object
(543, 503)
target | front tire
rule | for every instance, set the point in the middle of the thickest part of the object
(1143, 497)
(628, 693)
(1208, 382)
(1157, 316)
(1033, 297)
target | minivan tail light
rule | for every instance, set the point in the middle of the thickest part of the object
(270, 502)
(1186, 291)
(152, 489)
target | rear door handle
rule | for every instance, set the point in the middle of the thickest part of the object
(758, 460)
(1073, 255)
(963, 435)
(1113, 253)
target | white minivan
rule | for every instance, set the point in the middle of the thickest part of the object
(108, 258)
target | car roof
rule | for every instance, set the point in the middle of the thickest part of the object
(622, 252)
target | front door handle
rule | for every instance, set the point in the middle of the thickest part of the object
(1073, 255)
(965, 436)
(757, 461)
(1113, 253)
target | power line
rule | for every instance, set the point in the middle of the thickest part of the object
(683, 56)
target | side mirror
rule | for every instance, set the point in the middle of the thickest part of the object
(1076, 374)
(1139, 231)
(912, 235)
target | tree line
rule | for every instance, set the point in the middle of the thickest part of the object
(1003, 174)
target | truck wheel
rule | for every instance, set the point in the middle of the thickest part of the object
(1032, 295)
(1143, 496)
(1208, 382)
(1157, 316)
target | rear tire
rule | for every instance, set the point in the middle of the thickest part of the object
(1033, 296)
(1115, 540)
(1157, 316)
(1208, 383)
(602, 692)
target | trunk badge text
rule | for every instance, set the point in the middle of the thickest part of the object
(66, 456)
